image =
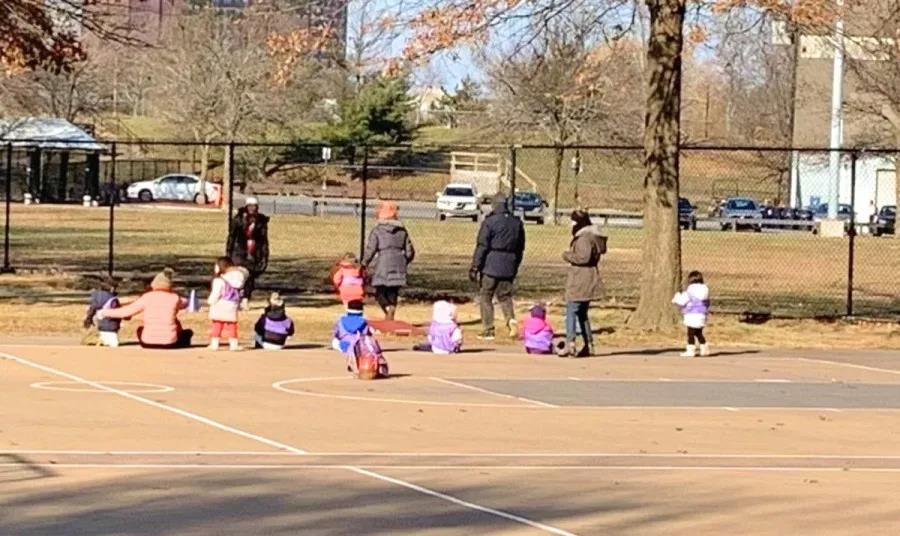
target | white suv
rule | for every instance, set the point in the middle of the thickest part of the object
(459, 201)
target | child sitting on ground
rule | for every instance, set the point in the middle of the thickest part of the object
(349, 327)
(274, 327)
(104, 298)
(224, 302)
(694, 303)
(537, 333)
(349, 279)
(444, 335)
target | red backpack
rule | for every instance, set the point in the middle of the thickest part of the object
(367, 359)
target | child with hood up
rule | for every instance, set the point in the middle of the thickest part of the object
(349, 279)
(445, 337)
(224, 302)
(104, 298)
(274, 327)
(537, 333)
(349, 327)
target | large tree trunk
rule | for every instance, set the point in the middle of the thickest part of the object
(661, 259)
(557, 177)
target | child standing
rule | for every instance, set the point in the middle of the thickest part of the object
(445, 337)
(274, 327)
(537, 333)
(694, 303)
(348, 279)
(224, 302)
(102, 299)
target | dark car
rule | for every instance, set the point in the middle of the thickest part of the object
(530, 206)
(885, 221)
(784, 217)
(687, 216)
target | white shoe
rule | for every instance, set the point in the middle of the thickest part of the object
(704, 350)
(234, 345)
(690, 351)
(213, 345)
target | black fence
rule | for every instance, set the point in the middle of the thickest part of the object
(752, 218)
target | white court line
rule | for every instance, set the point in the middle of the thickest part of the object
(850, 365)
(144, 388)
(494, 393)
(499, 513)
(362, 471)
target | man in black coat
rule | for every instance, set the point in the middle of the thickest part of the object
(248, 244)
(495, 265)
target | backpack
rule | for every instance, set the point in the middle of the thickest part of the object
(229, 293)
(367, 359)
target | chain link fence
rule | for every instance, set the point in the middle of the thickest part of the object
(751, 217)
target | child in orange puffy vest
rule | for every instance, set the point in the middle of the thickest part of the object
(349, 279)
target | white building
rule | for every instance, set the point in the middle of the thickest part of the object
(876, 181)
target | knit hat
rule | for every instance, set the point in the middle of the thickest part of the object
(387, 210)
(163, 280)
(275, 300)
(251, 201)
(537, 311)
(355, 307)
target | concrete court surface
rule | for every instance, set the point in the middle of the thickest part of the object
(133, 442)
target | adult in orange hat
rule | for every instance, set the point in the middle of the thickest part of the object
(388, 253)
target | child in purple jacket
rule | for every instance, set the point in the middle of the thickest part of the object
(537, 333)
(444, 335)
(274, 327)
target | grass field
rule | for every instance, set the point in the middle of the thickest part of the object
(56, 249)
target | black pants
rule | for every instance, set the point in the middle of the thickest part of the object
(184, 340)
(696, 334)
(503, 290)
(387, 296)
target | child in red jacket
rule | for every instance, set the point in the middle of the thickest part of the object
(349, 279)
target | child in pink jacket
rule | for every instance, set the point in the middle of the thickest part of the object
(224, 302)
(537, 333)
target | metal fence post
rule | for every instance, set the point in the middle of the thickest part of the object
(230, 183)
(365, 193)
(512, 178)
(7, 268)
(852, 233)
(113, 197)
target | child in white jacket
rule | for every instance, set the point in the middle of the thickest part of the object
(224, 302)
(694, 303)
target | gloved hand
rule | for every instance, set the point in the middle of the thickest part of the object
(474, 274)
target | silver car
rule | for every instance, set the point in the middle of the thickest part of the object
(740, 212)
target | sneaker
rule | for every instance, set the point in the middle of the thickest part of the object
(214, 346)
(704, 350)
(486, 336)
(513, 326)
(565, 350)
(690, 351)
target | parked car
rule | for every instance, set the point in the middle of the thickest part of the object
(885, 221)
(174, 187)
(687, 214)
(530, 206)
(459, 200)
(785, 217)
(741, 212)
(844, 212)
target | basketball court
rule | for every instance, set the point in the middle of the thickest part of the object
(128, 441)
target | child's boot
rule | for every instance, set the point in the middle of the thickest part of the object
(234, 345)
(690, 351)
(704, 350)
(213, 344)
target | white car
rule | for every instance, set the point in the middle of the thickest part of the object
(459, 201)
(174, 187)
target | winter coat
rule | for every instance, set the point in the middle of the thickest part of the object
(225, 296)
(347, 329)
(349, 282)
(160, 311)
(444, 334)
(694, 303)
(537, 334)
(102, 300)
(501, 245)
(237, 246)
(274, 326)
(391, 250)
(587, 247)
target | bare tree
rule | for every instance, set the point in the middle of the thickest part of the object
(76, 94)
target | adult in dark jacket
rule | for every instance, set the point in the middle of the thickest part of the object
(498, 255)
(583, 283)
(248, 244)
(386, 258)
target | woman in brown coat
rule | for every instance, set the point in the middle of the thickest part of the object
(583, 283)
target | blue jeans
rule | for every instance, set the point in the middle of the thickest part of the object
(577, 320)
